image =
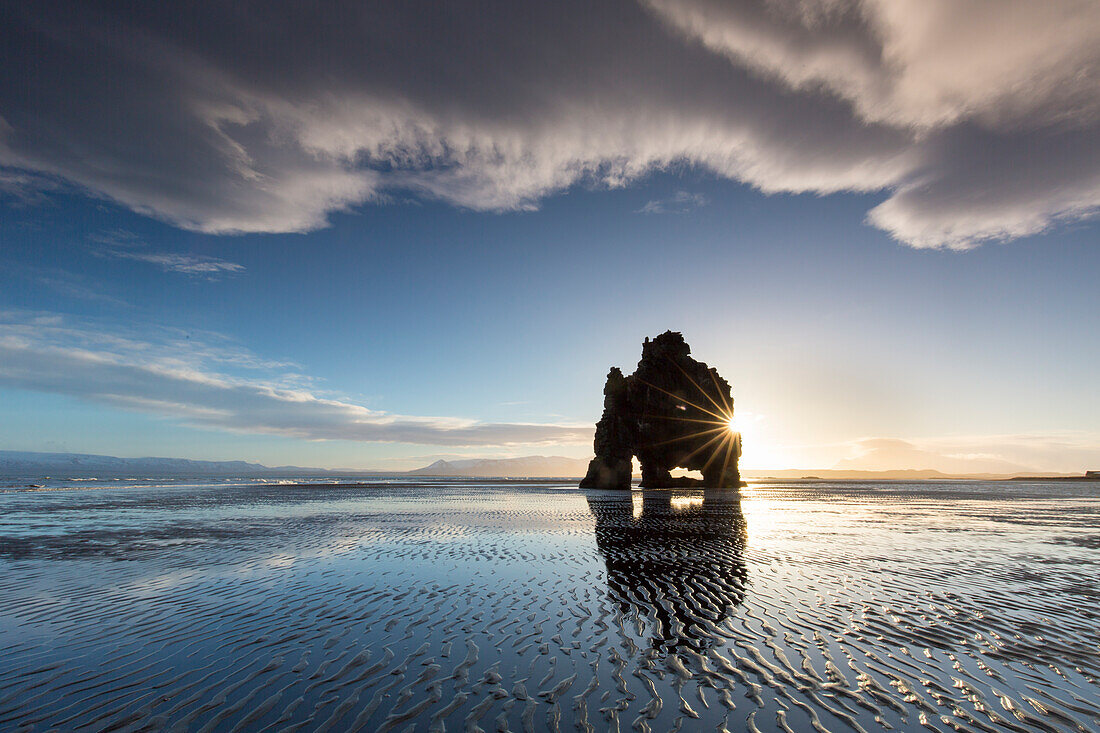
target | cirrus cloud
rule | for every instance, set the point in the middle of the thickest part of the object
(679, 203)
(978, 121)
(125, 246)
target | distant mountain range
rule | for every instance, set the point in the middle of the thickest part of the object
(526, 467)
(16, 463)
(26, 462)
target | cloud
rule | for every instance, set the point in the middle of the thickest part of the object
(885, 454)
(978, 121)
(21, 188)
(920, 63)
(124, 245)
(680, 203)
(187, 264)
(212, 385)
(73, 285)
(1001, 99)
(1059, 451)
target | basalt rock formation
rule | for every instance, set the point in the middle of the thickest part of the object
(672, 412)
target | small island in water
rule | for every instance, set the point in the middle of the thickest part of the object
(672, 412)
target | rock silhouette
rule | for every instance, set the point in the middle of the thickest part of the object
(672, 412)
(678, 563)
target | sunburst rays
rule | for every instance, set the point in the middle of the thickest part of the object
(716, 431)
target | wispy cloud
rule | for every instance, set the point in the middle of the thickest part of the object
(199, 265)
(977, 121)
(680, 203)
(21, 187)
(126, 246)
(73, 285)
(213, 385)
(1062, 451)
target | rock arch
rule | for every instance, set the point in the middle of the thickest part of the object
(673, 411)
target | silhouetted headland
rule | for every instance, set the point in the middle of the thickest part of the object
(672, 412)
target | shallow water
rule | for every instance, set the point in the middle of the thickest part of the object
(530, 606)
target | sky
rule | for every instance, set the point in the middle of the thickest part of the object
(371, 235)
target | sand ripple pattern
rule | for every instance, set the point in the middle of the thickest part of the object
(474, 606)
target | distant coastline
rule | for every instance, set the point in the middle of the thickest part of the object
(1088, 476)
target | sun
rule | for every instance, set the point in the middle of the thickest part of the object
(718, 432)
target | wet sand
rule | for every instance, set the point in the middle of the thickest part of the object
(437, 605)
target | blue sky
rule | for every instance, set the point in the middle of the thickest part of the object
(430, 240)
(830, 332)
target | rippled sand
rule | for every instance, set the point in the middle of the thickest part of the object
(470, 606)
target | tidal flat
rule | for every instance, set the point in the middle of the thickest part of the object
(474, 605)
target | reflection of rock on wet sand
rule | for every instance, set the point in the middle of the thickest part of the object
(678, 563)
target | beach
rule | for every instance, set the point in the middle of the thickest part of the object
(440, 604)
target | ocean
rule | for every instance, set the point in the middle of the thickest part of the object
(401, 604)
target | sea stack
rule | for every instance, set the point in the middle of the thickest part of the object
(672, 412)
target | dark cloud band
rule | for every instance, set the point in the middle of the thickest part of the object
(240, 117)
